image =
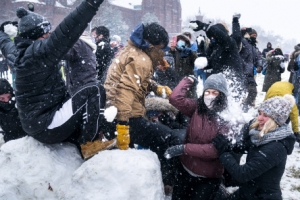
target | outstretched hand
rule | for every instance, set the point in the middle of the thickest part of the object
(197, 25)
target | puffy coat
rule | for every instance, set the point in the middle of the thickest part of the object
(200, 156)
(249, 57)
(104, 56)
(225, 55)
(280, 89)
(261, 174)
(184, 59)
(273, 71)
(128, 82)
(40, 90)
(81, 65)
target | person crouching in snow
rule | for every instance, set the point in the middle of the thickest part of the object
(268, 140)
(47, 112)
(128, 82)
(9, 115)
(199, 174)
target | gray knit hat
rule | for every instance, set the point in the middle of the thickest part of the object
(278, 108)
(216, 82)
(31, 25)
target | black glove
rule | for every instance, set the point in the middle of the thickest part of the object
(174, 151)
(221, 143)
(297, 135)
(236, 17)
(95, 3)
(165, 119)
(15, 23)
(201, 25)
(195, 79)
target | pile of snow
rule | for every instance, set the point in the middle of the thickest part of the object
(32, 170)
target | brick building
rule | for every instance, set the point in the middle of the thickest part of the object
(167, 11)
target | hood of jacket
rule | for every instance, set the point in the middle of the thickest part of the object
(137, 37)
(86, 38)
(289, 143)
(159, 104)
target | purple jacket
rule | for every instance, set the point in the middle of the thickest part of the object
(200, 156)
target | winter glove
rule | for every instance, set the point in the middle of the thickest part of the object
(95, 3)
(123, 138)
(236, 17)
(174, 151)
(163, 89)
(195, 80)
(197, 25)
(221, 143)
(186, 51)
(297, 135)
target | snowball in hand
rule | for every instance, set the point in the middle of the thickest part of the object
(193, 25)
(110, 113)
(201, 62)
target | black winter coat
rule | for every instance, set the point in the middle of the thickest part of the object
(11, 124)
(225, 55)
(261, 174)
(40, 90)
(104, 56)
(8, 49)
(249, 57)
(81, 66)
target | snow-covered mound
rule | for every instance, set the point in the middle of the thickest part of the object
(32, 170)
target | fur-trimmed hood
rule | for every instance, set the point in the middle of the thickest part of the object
(185, 39)
(159, 104)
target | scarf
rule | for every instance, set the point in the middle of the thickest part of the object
(278, 134)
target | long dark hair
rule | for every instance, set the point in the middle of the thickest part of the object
(219, 104)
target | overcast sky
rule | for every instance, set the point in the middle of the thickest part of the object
(281, 17)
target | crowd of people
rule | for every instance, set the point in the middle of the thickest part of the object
(63, 81)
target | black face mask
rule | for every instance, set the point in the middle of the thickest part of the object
(7, 106)
(253, 39)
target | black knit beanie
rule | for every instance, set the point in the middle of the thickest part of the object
(31, 25)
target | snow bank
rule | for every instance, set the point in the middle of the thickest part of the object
(32, 170)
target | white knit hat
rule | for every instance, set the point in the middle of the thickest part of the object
(278, 108)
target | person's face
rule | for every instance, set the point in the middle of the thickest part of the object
(5, 97)
(262, 119)
(96, 37)
(253, 36)
(211, 92)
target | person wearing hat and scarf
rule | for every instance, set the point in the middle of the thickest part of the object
(9, 115)
(199, 173)
(267, 140)
(47, 112)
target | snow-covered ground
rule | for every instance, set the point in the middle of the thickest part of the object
(32, 170)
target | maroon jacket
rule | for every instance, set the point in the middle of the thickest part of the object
(200, 156)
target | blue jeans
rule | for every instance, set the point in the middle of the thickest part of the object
(201, 73)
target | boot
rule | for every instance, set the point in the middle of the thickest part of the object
(89, 149)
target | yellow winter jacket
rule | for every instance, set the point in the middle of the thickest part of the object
(128, 81)
(280, 89)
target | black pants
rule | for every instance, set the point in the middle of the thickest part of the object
(250, 99)
(156, 137)
(188, 187)
(79, 118)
